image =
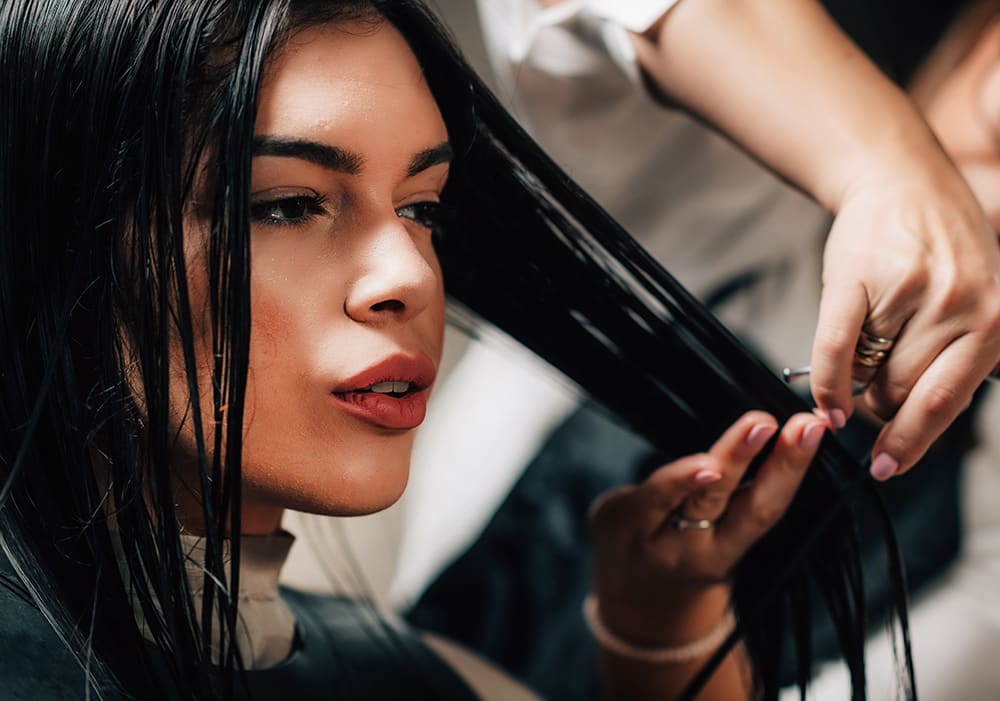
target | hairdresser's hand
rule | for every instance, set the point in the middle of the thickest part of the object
(658, 585)
(911, 253)
(911, 257)
(983, 177)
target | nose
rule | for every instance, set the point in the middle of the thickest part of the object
(398, 278)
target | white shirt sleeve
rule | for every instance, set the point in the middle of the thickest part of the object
(563, 37)
(634, 15)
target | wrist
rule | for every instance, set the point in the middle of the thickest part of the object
(885, 157)
(894, 155)
(690, 651)
(675, 619)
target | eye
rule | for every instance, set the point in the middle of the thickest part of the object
(426, 214)
(291, 209)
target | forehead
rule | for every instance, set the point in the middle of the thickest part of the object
(346, 76)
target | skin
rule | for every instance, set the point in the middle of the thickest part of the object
(344, 280)
(336, 289)
(910, 255)
(964, 108)
(958, 91)
(660, 586)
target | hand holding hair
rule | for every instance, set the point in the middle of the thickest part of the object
(911, 256)
(931, 283)
(663, 549)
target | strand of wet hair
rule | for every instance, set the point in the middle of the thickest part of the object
(527, 250)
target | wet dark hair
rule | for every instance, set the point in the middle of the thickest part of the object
(110, 109)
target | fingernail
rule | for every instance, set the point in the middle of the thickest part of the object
(834, 418)
(706, 477)
(811, 436)
(837, 418)
(759, 435)
(884, 466)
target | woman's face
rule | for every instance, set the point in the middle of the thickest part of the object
(350, 158)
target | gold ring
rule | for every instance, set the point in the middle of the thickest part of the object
(691, 524)
(871, 350)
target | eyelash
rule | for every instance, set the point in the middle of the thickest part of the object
(274, 212)
(310, 206)
(426, 214)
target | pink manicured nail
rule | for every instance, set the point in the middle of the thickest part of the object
(884, 466)
(811, 436)
(837, 418)
(759, 435)
(706, 477)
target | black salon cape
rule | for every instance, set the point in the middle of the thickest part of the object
(340, 652)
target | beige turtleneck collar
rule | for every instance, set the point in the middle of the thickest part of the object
(266, 626)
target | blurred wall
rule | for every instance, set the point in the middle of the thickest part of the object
(463, 20)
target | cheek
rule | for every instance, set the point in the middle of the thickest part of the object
(285, 319)
(436, 312)
(272, 334)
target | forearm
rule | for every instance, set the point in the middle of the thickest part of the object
(626, 678)
(781, 80)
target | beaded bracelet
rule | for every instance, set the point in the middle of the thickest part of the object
(658, 655)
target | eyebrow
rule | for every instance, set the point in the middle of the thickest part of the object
(428, 158)
(321, 154)
(340, 159)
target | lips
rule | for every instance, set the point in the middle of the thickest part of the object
(390, 394)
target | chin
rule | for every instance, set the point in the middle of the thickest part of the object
(368, 478)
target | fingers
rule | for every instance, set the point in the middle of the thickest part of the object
(928, 280)
(701, 482)
(732, 454)
(633, 526)
(842, 311)
(915, 350)
(755, 509)
(941, 393)
(664, 491)
(942, 356)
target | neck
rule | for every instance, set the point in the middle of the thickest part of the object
(256, 519)
(265, 626)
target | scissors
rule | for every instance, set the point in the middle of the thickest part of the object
(791, 374)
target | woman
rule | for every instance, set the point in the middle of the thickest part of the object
(221, 299)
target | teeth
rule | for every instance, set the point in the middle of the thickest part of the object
(391, 387)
